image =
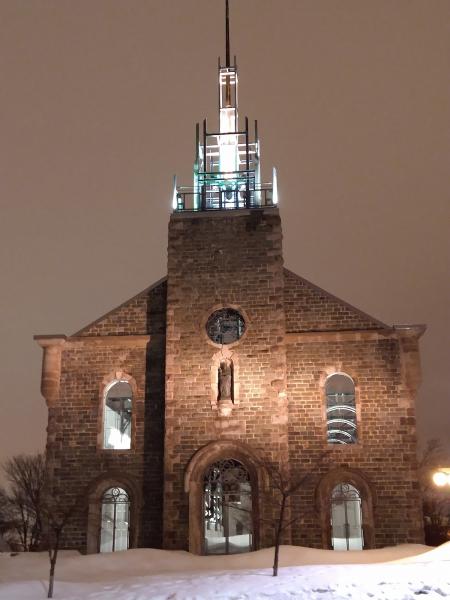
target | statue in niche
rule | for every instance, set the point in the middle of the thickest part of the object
(225, 380)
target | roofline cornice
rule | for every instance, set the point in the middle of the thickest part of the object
(395, 332)
(99, 340)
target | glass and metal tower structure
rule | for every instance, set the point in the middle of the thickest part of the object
(227, 171)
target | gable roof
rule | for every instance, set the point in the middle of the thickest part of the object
(307, 308)
(142, 314)
(310, 308)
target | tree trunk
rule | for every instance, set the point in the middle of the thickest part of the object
(53, 556)
(51, 578)
(278, 536)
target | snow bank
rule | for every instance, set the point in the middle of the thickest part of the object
(72, 566)
(397, 573)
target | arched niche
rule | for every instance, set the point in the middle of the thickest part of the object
(232, 358)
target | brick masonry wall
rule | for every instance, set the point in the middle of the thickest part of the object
(385, 454)
(136, 316)
(75, 457)
(309, 308)
(235, 259)
(221, 260)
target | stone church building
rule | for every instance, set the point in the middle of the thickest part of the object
(164, 413)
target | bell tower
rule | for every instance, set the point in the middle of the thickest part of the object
(225, 348)
(227, 171)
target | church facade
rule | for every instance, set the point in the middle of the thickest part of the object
(168, 414)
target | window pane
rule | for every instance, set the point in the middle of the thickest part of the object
(117, 417)
(228, 509)
(341, 410)
(114, 533)
(346, 518)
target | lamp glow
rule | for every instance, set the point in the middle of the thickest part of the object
(440, 478)
(228, 148)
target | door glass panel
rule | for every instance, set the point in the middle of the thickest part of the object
(114, 533)
(346, 518)
(227, 509)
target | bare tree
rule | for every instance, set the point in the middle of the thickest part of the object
(20, 501)
(32, 512)
(283, 484)
(56, 514)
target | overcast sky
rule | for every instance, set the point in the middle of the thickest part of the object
(98, 104)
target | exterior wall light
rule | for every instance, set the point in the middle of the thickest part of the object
(441, 477)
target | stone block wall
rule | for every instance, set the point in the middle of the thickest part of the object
(231, 259)
(296, 335)
(384, 457)
(309, 308)
(76, 460)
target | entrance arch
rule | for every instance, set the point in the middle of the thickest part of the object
(228, 511)
(346, 518)
(113, 513)
(223, 479)
(350, 486)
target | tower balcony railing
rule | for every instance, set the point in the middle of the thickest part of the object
(215, 198)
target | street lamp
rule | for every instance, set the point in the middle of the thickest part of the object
(441, 477)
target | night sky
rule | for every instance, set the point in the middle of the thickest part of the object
(98, 105)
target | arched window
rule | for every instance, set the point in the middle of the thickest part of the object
(227, 502)
(346, 518)
(115, 525)
(117, 416)
(341, 409)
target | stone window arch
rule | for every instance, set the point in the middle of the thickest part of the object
(241, 457)
(113, 514)
(340, 408)
(332, 489)
(117, 414)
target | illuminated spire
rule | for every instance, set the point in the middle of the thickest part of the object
(227, 34)
(226, 168)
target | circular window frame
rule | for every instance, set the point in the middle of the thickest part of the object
(216, 308)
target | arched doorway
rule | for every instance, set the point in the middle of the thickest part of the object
(227, 504)
(346, 518)
(345, 501)
(115, 520)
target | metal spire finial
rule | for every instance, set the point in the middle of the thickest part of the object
(227, 34)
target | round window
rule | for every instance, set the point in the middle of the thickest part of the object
(225, 326)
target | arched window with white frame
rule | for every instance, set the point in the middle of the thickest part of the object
(117, 411)
(341, 409)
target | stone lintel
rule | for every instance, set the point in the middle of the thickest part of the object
(416, 331)
(395, 332)
(45, 341)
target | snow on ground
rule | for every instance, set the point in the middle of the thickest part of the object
(398, 573)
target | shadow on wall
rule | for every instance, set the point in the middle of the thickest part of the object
(154, 408)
